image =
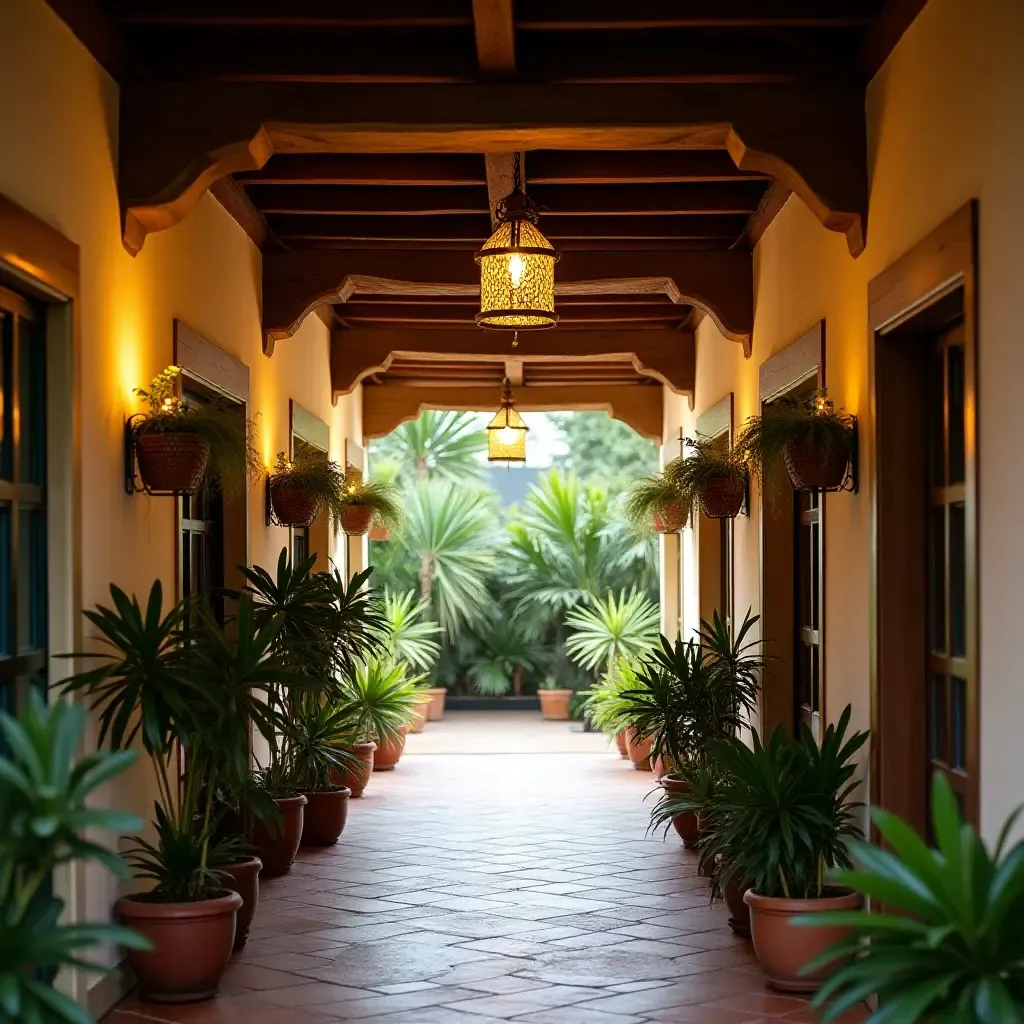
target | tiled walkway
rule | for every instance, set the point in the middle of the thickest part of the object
(480, 889)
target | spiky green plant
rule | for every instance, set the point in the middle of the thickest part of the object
(382, 498)
(506, 651)
(617, 627)
(605, 706)
(319, 734)
(378, 699)
(412, 635)
(656, 495)
(436, 445)
(311, 470)
(708, 459)
(949, 945)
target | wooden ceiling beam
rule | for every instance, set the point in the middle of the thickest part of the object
(177, 138)
(355, 200)
(664, 355)
(641, 406)
(495, 32)
(439, 169)
(442, 313)
(296, 281)
(636, 167)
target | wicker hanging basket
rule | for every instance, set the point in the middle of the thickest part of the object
(293, 506)
(812, 468)
(670, 518)
(722, 497)
(172, 462)
(356, 519)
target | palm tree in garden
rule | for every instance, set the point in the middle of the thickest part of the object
(449, 536)
(507, 649)
(412, 637)
(437, 445)
(606, 630)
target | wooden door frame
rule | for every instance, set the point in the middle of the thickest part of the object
(934, 270)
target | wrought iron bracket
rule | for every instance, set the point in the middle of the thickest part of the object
(851, 482)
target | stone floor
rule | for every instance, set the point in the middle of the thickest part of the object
(488, 888)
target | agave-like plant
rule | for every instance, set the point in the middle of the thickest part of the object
(437, 445)
(378, 699)
(606, 630)
(412, 636)
(950, 944)
(604, 703)
(506, 651)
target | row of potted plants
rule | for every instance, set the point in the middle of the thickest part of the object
(777, 832)
(180, 444)
(808, 441)
(303, 665)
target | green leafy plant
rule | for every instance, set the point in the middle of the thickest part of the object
(950, 945)
(45, 797)
(737, 662)
(412, 635)
(382, 498)
(437, 445)
(319, 735)
(234, 460)
(506, 651)
(606, 706)
(654, 496)
(613, 628)
(703, 780)
(378, 699)
(812, 424)
(709, 460)
(312, 471)
(783, 816)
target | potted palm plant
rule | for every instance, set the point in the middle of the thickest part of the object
(412, 642)
(605, 707)
(950, 945)
(366, 502)
(201, 697)
(794, 797)
(657, 501)
(178, 444)
(46, 804)
(304, 486)
(713, 476)
(809, 437)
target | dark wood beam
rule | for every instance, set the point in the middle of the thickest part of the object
(651, 200)
(176, 139)
(666, 355)
(95, 31)
(639, 167)
(767, 210)
(886, 31)
(356, 312)
(416, 200)
(639, 405)
(232, 196)
(495, 32)
(373, 169)
(297, 281)
(613, 15)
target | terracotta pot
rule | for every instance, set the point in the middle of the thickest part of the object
(278, 851)
(293, 506)
(353, 778)
(782, 948)
(323, 820)
(686, 825)
(380, 533)
(172, 462)
(739, 912)
(671, 518)
(722, 498)
(435, 709)
(191, 946)
(389, 752)
(419, 717)
(554, 704)
(662, 765)
(356, 519)
(810, 468)
(244, 878)
(620, 742)
(639, 750)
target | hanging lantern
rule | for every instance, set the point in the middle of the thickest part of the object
(517, 267)
(506, 433)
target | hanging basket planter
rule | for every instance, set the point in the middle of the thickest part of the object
(670, 518)
(813, 468)
(293, 506)
(356, 519)
(380, 533)
(172, 462)
(722, 497)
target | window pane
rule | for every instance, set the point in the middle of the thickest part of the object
(6, 640)
(32, 580)
(6, 397)
(32, 401)
(937, 730)
(958, 723)
(957, 453)
(937, 579)
(958, 578)
(935, 400)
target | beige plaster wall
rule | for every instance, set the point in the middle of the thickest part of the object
(945, 126)
(58, 141)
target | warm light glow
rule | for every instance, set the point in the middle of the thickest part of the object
(508, 435)
(517, 278)
(515, 269)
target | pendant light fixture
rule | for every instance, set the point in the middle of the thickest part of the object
(506, 433)
(517, 267)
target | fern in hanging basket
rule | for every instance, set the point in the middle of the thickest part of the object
(369, 502)
(657, 501)
(306, 485)
(806, 439)
(178, 444)
(713, 476)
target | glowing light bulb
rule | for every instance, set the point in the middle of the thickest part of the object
(515, 269)
(508, 435)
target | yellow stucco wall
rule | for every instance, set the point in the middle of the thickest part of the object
(58, 141)
(945, 126)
